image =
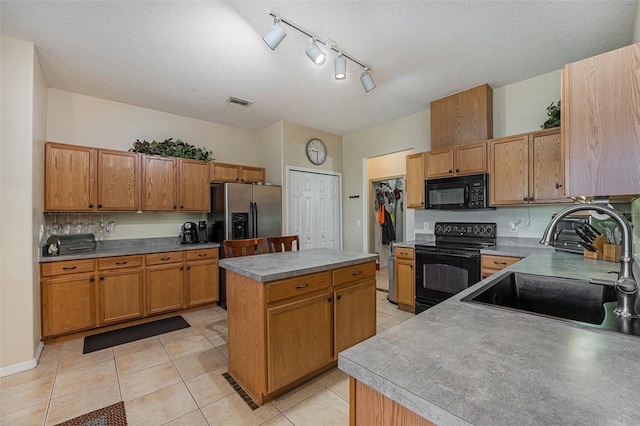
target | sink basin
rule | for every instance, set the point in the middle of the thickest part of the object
(562, 298)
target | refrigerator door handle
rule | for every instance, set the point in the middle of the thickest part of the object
(252, 233)
(255, 219)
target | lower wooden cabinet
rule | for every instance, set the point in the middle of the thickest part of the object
(82, 294)
(492, 264)
(68, 303)
(354, 315)
(405, 278)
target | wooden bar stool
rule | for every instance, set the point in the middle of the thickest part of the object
(238, 248)
(284, 243)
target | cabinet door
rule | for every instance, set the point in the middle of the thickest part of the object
(299, 339)
(194, 186)
(439, 163)
(165, 288)
(118, 181)
(159, 183)
(405, 282)
(470, 159)
(509, 171)
(69, 178)
(68, 304)
(252, 174)
(121, 295)
(546, 183)
(202, 282)
(221, 172)
(354, 315)
(600, 125)
(415, 181)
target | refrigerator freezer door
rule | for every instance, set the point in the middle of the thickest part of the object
(237, 201)
(267, 210)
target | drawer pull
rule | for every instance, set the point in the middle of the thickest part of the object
(356, 273)
(69, 268)
(500, 263)
(203, 254)
(165, 258)
(339, 297)
(329, 300)
(122, 263)
(302, 286)
(92, 279)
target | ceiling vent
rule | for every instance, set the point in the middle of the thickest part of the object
(239, 101)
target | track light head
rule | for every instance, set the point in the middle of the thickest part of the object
(340, 67)
(275, 35)
(314, 53)
(367, 81)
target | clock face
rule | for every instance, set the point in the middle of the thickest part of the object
(316, 151)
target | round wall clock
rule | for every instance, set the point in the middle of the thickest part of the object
(316, 151)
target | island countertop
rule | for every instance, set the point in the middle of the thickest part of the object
(277, 266)
(459, 363)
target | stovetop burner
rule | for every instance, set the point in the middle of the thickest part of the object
(461, 235)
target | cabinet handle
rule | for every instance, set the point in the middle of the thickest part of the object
(356, 273)
(530, 198)
(90, 206)
(457, 170)
(122, 263)
(188, 267)
(182, 207)
(182, 268)
(69, 268)
(525, 199)
(339, 297)
(101, 277)
(411, 266)
(203, 254)
(558, 186)
(500, 263)
(329, 300)
(165, 258)
(99, 206)
(92, 279)
(450, 171)
(175, 207)
(302, 286)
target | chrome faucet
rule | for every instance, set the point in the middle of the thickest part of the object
(626, 286)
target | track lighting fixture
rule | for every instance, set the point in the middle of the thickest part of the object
(340, 67)
(275, 36)
(367, 80)
(315, 53)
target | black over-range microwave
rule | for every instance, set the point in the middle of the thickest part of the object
(458, 192)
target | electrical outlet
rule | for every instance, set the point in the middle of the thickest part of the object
(358, 223)
(179, 228)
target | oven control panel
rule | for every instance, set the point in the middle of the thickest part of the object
(465, 229)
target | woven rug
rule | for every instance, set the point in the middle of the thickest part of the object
(113, 415)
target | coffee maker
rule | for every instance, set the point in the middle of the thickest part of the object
(189, 233)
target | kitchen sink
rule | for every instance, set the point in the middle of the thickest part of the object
(561, 298)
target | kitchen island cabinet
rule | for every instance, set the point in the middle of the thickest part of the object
(459, 363)
(289, 314)
(405, 275)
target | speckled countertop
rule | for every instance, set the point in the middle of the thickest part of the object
(460, 363)
(130, 247)
(506, 246)
(277, 266)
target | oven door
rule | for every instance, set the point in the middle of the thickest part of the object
(441, 273)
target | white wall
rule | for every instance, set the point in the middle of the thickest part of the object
(636, 26)
(23, 117)
(85, 120)
(518, 107)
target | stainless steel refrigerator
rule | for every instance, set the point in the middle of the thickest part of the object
(241, 211)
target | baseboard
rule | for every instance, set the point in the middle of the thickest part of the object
(23, 366)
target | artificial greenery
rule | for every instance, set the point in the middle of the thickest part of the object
(553, 111)
(171, 148)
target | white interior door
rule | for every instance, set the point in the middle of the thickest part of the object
(314, 209)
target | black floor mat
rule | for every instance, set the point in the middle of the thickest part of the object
(125, 335)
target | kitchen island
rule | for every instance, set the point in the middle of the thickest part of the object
(290, 313)
(459, 363)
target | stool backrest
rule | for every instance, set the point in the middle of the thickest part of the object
(238, 248)
(284, 243)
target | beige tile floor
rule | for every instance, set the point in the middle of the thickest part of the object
(175, 379)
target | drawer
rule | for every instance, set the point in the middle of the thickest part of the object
(498, 262)
(67, 267)
(202, 254)
(404, 253)
(119, 262)
(166, 257)
(355, 273)
(298, 286)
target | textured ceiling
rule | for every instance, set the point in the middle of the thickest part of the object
(187, 57)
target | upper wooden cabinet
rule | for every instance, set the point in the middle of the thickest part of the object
(194, 186)
(600, 125)
(223, 172)
(461, 160)
(159, 188)
(462, 118)
(415, 180)
(118, 180)
(70, 178)
(526, 169)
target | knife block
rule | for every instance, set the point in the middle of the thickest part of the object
(598, 244)
(611, 252)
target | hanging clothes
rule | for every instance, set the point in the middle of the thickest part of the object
(388, 229)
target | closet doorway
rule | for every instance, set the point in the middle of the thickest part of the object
(387, 215)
